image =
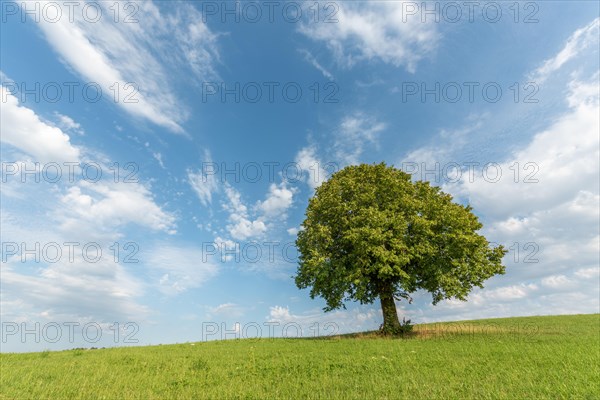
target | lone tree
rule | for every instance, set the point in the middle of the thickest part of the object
(370, 232)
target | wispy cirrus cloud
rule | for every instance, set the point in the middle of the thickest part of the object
(144, 53)
(202, 182)
(581, 40)
(315, 63)
(374, 30)
(181, 267)
(352, 136)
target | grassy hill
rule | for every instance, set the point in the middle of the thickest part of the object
(511, 358)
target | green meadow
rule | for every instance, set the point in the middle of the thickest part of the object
(553, 357)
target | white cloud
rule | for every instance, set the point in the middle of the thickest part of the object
(67, 123)
(244, 222)
(226, 248)
(354, 133)
(312, 168)
(547, 215)
(22, 127)
(313, 61)
(204, 186)
(102, 292)
(241, 226)
(4, 78)
(427, 156)
(319, 323)
(578, 42)
(509, 292)
(550, 226)
(158, 157)
(588, 273)
(567, 166)
(230, 310)
(181, 267)
(557, 281)
(278, 200)
(374, 30)
(111, 53)
(203, 183)
(104, 206)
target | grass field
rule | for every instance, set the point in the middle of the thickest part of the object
(552, 357)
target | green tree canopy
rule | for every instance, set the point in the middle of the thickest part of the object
(370, 232)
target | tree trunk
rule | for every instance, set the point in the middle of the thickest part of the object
(391, 324)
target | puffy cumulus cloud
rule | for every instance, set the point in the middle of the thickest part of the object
(554, 168)
(278, 201)
(178, 268)
(105, 206)
(22, 128)
(549, 222)
(243, 221)
(241, 226)
(313, 169)
(147, 53)
(375, 31)
(555, 209)
(543, 206)
(227, 249)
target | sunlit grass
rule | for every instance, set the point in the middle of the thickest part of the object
(513, 358)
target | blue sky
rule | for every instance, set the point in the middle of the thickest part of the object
(212, 128)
